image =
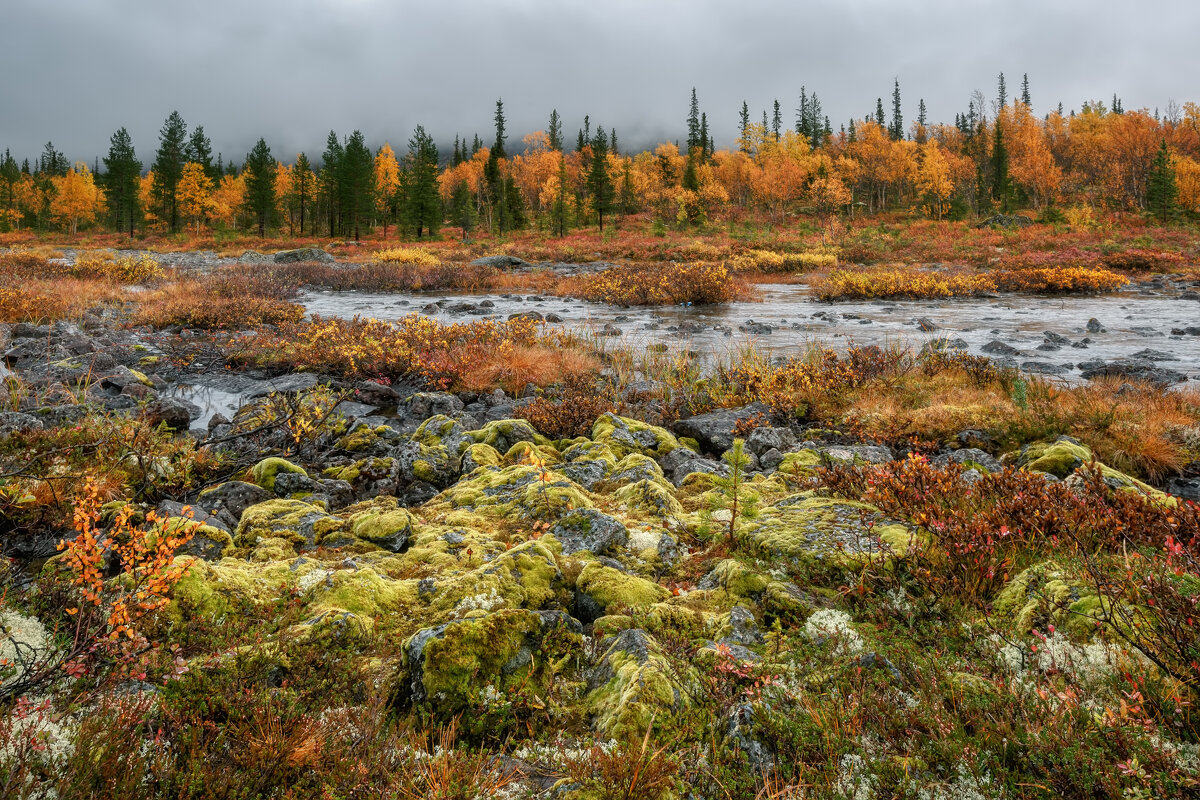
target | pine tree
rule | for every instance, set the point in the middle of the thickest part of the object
(554, 131)
(897, 128)
(260, 185)
(121, 172)
(599, 182)
(580, 142)
(744, 126)
(1025, 91)
(765, 124)
(693, 123)
(457, 158)
(705, 150)
(1161, 190)
(199, 150)
(303, 185)
(587, 128)
(879, 118)
(422, 207)
(628, 200)
(1001, 92)
(612, 139)
(777, 121)
(358, 184)
(852, 134)
(168, 167)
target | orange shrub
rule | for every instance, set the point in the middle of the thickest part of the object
(1059, 279)
(897, 281)
(666, 284)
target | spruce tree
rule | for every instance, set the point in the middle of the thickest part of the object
(1161, 191)
(121, 172)
(612, 142)
(1025, 91)
(1001, 92)
(199, 150)
(303, 185)
(579, 142)
(462, 208)
(358, 184)
(705, 149)
(693, 123)
(1001, 186)
(492, 175)
(897, 128)
(53, 162)
(260, 185)
(422, 207)
(744, 126)
(599, 182)
(559, 208)
(10, 175)
(168, 167)
(331, 181)
(879, 118)
(554, 131)
(777, 121)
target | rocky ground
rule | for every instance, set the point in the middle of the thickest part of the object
(696, 582)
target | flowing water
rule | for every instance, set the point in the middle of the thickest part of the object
(786, 321)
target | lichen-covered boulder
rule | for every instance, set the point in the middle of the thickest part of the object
(632, 468)
(365, 439)
(434, 453)
(207, 542)
(601, 589)
(451, 667)
(623, 436)
(633, 685)
(263, 473)
(590, 530)
(418, 407)
(1059, 458)
(479, 455)
(526, 576)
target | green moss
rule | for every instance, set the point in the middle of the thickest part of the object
(612, 589)
(263, 473)
(737, 579)
(525, 452)
(141, 378)
(1046, 594)
(382, 523)
(587, 450)
(367, 594)
(526, 576)
(362, 439)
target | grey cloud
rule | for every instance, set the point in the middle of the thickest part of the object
(75, 70)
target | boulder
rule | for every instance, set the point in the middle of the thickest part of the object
(590, 530)
(714, 430)
(1134, 369)
(500, 262)
(174, 414)
(303, 254)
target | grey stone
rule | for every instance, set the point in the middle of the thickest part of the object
(303, 254)
(591, 530)
(714, 430)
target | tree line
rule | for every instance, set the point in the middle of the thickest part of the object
(995, 156)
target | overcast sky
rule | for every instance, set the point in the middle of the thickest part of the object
(73, 71)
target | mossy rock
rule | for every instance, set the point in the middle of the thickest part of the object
(479, 455)
(526, 576)
(650, 498)
(824, 528)
(1064, 456)
(368, 595)
(633, 468)
(1047, 594)
(504, 433)
(382, 523)
(588, 450)
(528, 452)
(624, 436)
(736, 579)
(363, 438)
(293, 520)
(605, 590)
(451, 666)
(207, 542)
(263, 473)
(516, 492)
(632, 687)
